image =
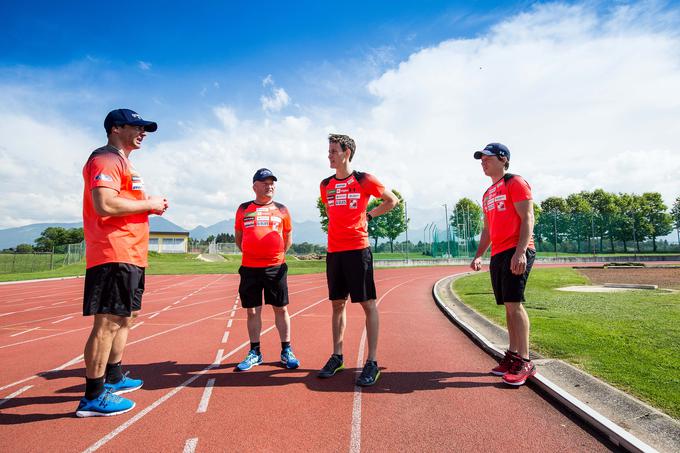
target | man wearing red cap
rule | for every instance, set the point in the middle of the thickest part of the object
(116, 224)
(508, 229)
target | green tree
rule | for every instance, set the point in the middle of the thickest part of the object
(323, 214)
(394, 222)
(675, 215)
(466, 221)
(24, 248)
(376, 227)
(654, 211)
(55, 236)
(553, 211)
(606, 209)
(579, 226)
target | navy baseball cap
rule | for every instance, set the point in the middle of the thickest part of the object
(262, 174)
(494, 149)
(121, 117)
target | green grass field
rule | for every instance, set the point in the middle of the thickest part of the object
(631, 340)
(164, 264)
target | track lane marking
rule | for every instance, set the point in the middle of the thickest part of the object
(15, 394)
(136, 325)
(190, 445)
(61, 320)
(225, 337)
(23, 332)
(205, 399)
(104, 440)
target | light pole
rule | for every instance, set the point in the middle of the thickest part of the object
(406, 223)
(448, 242)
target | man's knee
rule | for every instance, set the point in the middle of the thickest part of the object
(370, 306)
(339, 304)
(280, 310)
(253, 312)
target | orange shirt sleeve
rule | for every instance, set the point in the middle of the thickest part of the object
(519, 189)
(372, 186)
(238, 223)
(322, 190)
(287, 222)
(106, 171)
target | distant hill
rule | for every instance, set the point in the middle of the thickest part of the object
(302, 232)
(11, 237)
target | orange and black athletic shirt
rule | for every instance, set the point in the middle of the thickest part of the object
(263, 227)
(114, 239)
(499, 209)
(346, 201)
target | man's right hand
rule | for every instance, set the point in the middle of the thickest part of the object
(476, 264)
(158, 205)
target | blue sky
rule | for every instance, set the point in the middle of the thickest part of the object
(419, 84)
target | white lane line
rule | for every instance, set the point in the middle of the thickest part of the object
(136, 325)
(229, 323)
(17, 393)
(219, 357)
(60, 320)
(101, 442)
(355, 436)
(7, 314)
(225, 337)
(233, 313)
(190, 446)
(43, 338)
(166, 308)
(25, 331)
(58, 303)
(35, 308)
(205, 399)
(153, 316)
(176, 302)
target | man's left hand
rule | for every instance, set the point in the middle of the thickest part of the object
(518, 263)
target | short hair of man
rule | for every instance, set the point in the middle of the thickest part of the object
(345, 141)
(507, 162)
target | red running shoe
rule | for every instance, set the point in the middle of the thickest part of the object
(519, 372)
(505, 364)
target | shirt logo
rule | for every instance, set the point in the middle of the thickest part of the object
(249, 214)
(350, 180)
(103, 177)
(341, 203)
(501, 206)
(354, 196)
(341, 197)
(352, 204)
(341, 185)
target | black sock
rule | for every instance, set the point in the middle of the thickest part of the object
(339, 356)
(526, 360)
(285, 344)
(114, 372)
(94, 387)
(255, 347)
(374, 362)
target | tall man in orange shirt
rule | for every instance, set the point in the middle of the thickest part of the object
(508, 229)
(349, 262)
(116, 223)
(263, 233)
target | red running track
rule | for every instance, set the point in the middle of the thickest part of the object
(435, 393)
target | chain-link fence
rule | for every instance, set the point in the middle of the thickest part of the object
(63, 255)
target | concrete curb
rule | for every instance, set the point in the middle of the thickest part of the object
(626, 421)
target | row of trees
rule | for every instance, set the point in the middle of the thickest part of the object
(51, 238)
(585, 221)
(388, 226)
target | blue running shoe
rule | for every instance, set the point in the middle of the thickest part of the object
(125, 385)
(251, 360)
(289, 359)
(105, 405)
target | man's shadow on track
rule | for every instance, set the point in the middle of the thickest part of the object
(169, 375)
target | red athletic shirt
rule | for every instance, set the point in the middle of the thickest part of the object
(114, 239)
(346, 201)
(263, 228)
(502, 218)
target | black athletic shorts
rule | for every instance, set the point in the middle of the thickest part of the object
(114, 289)
(350, 273)
(272, 280)
(508, 287)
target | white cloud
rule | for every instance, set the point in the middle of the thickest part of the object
(144, 65)
(583, 100)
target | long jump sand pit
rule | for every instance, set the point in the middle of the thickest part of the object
(667, 277)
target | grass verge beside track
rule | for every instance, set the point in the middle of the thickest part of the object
(630, 340)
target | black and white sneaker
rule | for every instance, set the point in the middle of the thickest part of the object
(331, 367)
(369, 375)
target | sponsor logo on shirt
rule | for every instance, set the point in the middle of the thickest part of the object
(500, 197)
(262, 209)
(341, 185)
(331, 202)
(341, 203)
(263, 217)
(261, 222)
(354, 196)
(137, 186)
(249, 224)
(249, 214)
(501, 206)
(330, 192)
(103, 177)
(275, 218)
(350, 180)
(341, 197)
(352, 204)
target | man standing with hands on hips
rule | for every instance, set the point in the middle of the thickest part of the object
(349, 262)
(508, 228)
(116, 224)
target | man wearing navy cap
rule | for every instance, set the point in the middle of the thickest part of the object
(508, 229)
(263, 233)
(116, 224)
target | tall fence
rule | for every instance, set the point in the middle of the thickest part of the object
(62, 255)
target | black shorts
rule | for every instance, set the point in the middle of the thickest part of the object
(272, 280)
(350, 273)
(113, 289)
(508, 287)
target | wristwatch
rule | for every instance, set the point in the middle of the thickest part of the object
(369, 216)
